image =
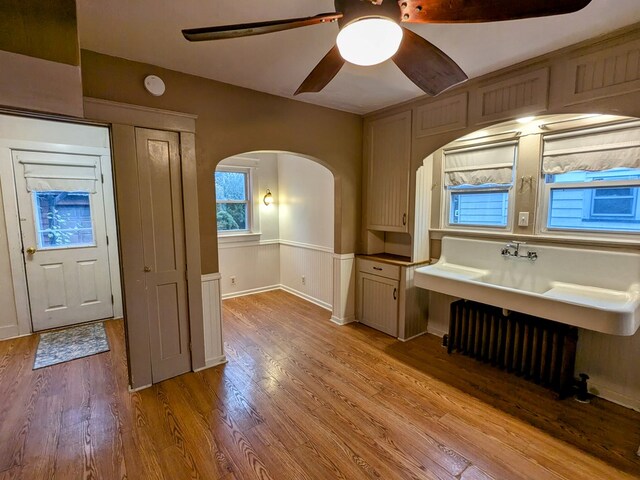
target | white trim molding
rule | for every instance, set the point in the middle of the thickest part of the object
(212, 314)
(344, 289)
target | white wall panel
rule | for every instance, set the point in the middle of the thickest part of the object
(212, 310)
(255, 266)
(612, 363)
(315, 265)
(305, 201)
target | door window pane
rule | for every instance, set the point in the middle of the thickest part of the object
(63, 219)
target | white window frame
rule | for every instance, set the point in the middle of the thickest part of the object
(252, 212)
(544, 201)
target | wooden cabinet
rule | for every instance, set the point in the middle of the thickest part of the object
(379, 303)
(388, 159)
(387, 299)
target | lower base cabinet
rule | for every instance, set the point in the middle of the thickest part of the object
(387, 299)
(379, 298)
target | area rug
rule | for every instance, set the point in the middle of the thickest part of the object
(71, 343)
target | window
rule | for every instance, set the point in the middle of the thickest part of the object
(63, 219)
(592, 180)
(233, 200)
(478, 185)
(605, 201)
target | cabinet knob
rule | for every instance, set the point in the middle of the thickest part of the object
(404, 219)
(147, 269)
(31, 250)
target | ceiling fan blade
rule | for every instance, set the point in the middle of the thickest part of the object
(476, 11)
(258, 28)
(426, 65)
(324, 72)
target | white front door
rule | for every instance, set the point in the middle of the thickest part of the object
(64, 237)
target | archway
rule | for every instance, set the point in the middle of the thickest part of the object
(275, 214)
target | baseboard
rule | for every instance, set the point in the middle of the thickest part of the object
(251, 291)
(343, 321)
(613, 396)
(436, 331)
(412, 337)
(212, 362)
(137, 389)
(306, 297)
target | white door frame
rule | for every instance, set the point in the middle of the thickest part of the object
(12, 220)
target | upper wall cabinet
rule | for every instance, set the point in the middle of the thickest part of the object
(388, 156)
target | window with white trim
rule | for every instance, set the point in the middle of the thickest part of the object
(592, 180)
(233, 200)
(478, 185)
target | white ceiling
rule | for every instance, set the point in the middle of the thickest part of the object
(149, 31)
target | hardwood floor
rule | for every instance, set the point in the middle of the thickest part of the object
(301, 398)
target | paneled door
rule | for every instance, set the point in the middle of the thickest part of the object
(163, 237)
(64, 237)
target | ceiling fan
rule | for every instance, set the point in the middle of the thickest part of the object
(370, 33)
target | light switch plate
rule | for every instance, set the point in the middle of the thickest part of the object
(523, 219)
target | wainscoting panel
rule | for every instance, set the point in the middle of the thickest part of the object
(344, 289)
(612, 363)
(307, 270)
(212, 313)
(254, 266)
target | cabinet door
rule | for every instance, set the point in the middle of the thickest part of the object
(388, 153)
(378, 307)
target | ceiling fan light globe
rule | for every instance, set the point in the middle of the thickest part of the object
(369, 41)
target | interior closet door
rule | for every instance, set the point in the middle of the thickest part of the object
(162, 217)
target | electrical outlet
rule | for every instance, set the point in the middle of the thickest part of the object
(304, 280)
(523, 219)
(233, 280)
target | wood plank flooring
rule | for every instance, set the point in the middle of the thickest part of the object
(301, 398)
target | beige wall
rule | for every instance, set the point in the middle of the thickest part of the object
(233, 120)
(46, 30)
(40, 56)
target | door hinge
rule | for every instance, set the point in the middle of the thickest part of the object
(102, 177)
(190, 347)
(107, 239)
(112, 301)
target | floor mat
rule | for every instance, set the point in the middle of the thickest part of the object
(71, 343)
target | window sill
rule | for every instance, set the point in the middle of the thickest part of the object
(238, 237)
(438, 234)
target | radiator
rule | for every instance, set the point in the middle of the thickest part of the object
(537, 349)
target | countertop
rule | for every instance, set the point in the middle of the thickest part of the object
(392, 259)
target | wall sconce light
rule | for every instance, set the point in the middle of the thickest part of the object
(268, 198)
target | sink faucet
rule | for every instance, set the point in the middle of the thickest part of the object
(507, 252)
(512, 249)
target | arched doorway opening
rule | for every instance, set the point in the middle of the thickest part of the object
(275, 219)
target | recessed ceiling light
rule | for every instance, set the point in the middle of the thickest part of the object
(525, 119)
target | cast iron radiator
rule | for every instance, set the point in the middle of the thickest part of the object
(538, 349)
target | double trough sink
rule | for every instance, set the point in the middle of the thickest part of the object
(591, 289)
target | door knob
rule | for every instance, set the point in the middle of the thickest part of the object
(147, 269)
(31, 250)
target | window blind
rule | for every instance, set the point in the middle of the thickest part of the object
(592, 150)
(487, 164)
(67, 173)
